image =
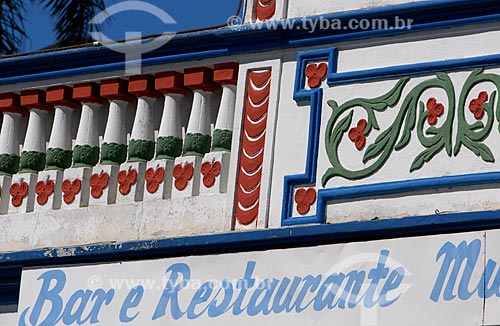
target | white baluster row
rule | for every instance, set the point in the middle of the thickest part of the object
(74, 173)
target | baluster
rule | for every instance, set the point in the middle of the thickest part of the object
(169, 143)
(33, 157)
(142, 144)
(198, 140)
(59, 154)
(10, 105)
(114, 147)
(17, 190)
(215, 166)
(226, 74)
(86, 150)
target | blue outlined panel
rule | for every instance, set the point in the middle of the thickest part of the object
(314, 97)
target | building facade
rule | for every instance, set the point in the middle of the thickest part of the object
(317, 162)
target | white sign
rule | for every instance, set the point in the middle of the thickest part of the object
(435, 280)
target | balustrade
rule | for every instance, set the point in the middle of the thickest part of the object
(117, 164)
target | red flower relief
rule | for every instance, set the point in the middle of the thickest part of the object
(210, 172)
(98, 183)
(435, 110)
(154, 178)
(476, 106)
(44, 189)
(18, 191)
(315, 73)
(304, 199)
(357, 134)
(70, 190)
(126, 180)
(182, 175)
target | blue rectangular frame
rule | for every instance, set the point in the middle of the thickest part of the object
(314, 97)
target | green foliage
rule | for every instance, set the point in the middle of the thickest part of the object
(12, 35)
(71, 22)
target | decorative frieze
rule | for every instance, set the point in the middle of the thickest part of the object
(265, 9)
(251, 157)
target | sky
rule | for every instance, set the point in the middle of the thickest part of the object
(188, 14)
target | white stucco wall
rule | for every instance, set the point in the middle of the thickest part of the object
(300, 8)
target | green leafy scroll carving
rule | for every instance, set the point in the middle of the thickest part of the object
(412, 114)
(472, 135)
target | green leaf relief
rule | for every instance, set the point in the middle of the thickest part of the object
(413, 111)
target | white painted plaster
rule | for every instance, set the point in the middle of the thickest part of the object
(5, 182)
(299, 8)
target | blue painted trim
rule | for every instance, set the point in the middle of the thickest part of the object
(427, 15)
(11, 264)
(315, 98)
(288, 237)
(343, 78)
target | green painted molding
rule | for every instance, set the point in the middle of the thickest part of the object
(223, 140)
(197, 144)
(113, 153)
(412, 114)
(168, 147)
(141, 150)
(32, 162)
(9, 164)
(85, 156)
